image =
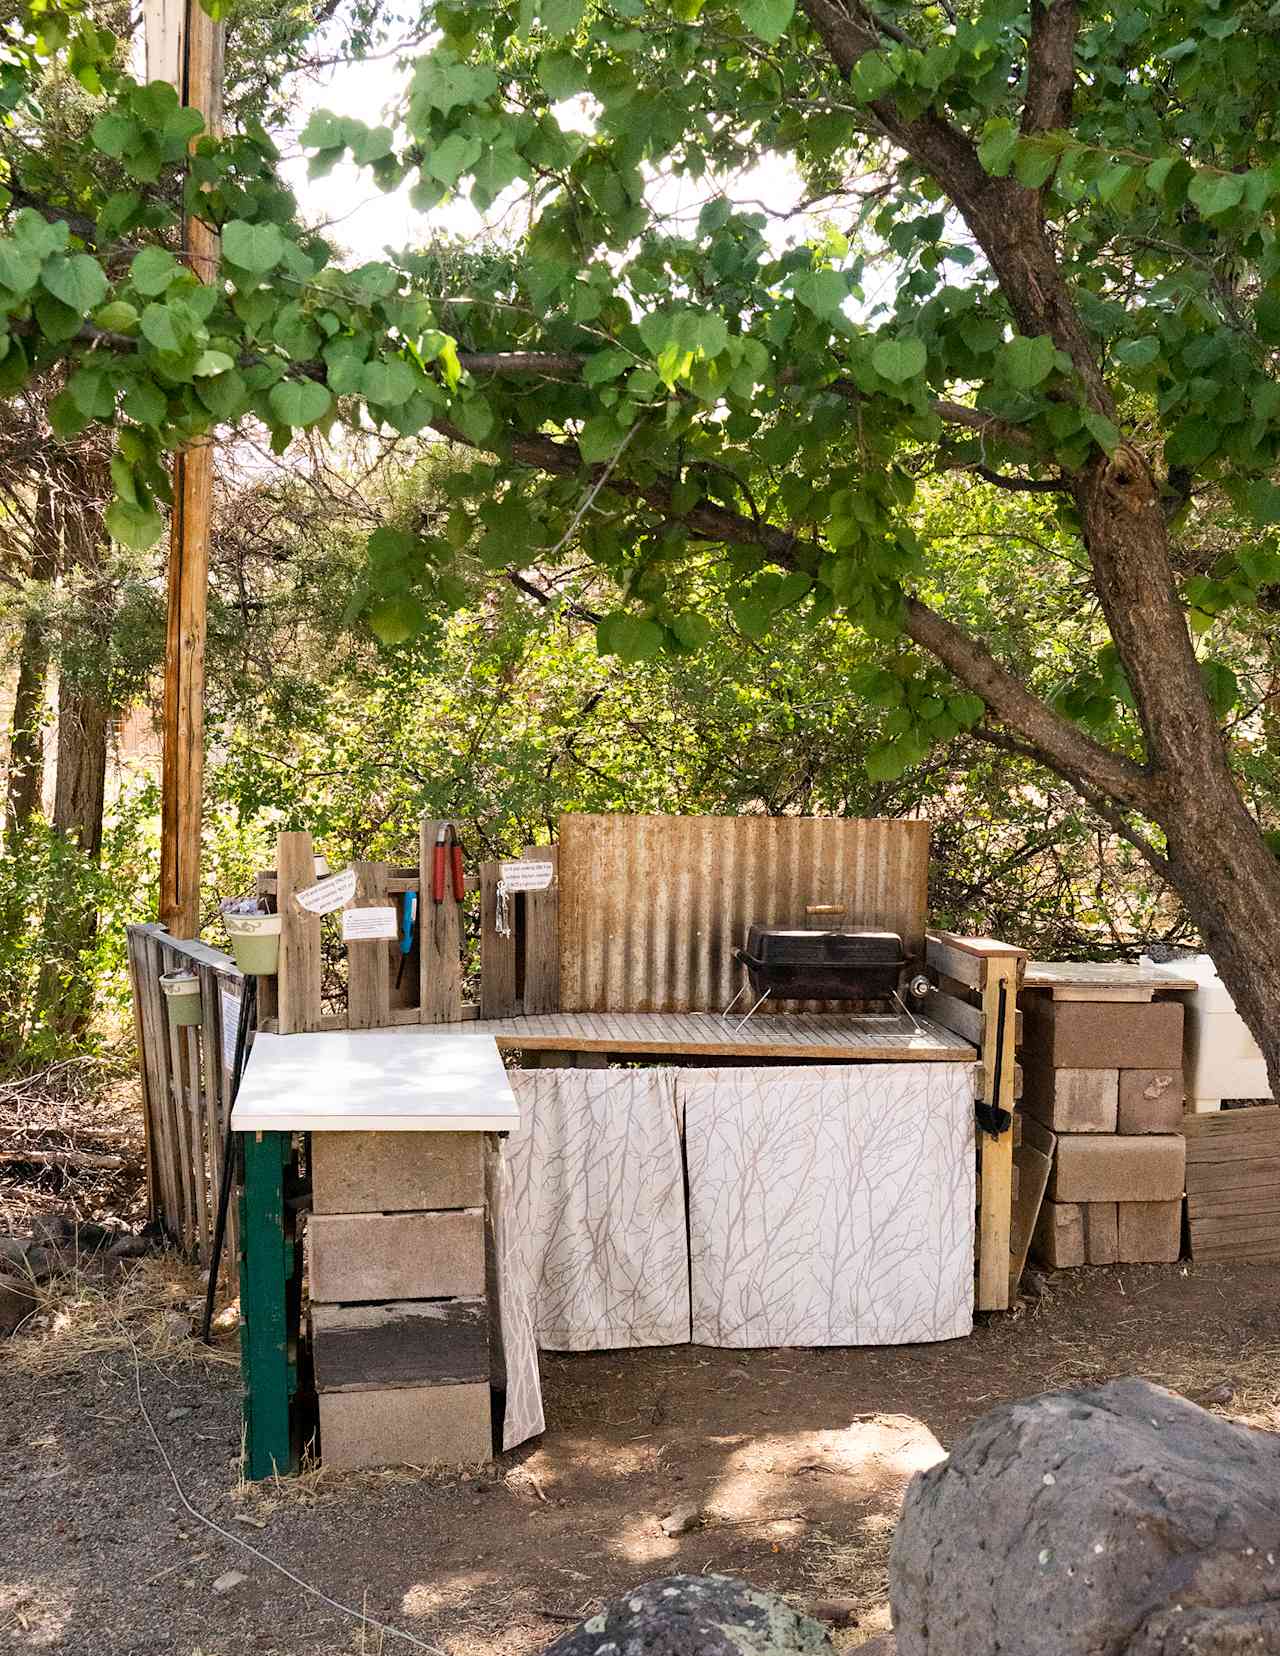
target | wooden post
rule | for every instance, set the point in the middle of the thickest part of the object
(185, 47)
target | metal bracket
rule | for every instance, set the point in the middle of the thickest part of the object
(991, 1118)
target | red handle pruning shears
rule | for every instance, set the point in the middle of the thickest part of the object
(447, 842)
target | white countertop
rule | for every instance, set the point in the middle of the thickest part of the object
(409, 1080)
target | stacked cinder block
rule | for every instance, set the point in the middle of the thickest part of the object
(1103, 1094)
(399, 1317)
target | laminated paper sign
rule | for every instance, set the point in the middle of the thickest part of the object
(526, 876)
(327, 895)
(230, 1018)
(364, 925)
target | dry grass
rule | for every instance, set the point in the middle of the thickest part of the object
(82, 1117)
(153, 1304)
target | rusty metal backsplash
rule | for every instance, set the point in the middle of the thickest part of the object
(651, 907)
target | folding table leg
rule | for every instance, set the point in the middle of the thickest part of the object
(267, 1267)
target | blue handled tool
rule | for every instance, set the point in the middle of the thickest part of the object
(407, 916)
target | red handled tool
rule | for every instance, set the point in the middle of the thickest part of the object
(448, 848)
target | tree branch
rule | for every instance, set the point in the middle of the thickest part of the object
(1057, 743)
(1051, 65)
(1098, 802)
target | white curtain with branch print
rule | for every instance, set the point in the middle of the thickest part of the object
(598, 1211)
(831, 1205)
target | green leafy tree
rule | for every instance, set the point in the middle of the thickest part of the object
(1076, 206)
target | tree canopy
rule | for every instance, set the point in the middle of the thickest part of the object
(1045, 256)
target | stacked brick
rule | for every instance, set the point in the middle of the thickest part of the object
(399, 1316)
(1103, 1095)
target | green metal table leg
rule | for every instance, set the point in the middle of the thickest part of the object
(267, 1267)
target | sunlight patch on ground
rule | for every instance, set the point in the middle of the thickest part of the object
(35, 1614)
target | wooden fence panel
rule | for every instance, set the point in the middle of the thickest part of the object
(186, 1086)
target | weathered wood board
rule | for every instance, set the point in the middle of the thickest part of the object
(651, 907)
(400, 1343)
(847, 1039)
(1233, 1183)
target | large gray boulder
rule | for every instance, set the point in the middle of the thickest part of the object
(703, 1615)
(1117, 1521)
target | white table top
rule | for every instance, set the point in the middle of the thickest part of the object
(409, 1080)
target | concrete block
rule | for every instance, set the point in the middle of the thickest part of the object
(1103, 1035)
(1101, 1242)
(1103, 1167)
(397, 1256)
(1059, 1234)
(1072, 1100)
(1150, 1232)
(1150, 1101)
(396, 1172)
(405, 1343)
(418, 1426)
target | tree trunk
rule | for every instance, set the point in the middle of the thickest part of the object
(25, 780)
(71, 916)
(1216, 857)
(83, 710)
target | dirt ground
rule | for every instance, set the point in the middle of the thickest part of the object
(796, 1461)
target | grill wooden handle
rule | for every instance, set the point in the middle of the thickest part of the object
(825, 908)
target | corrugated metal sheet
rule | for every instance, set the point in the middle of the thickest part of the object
(652, 906)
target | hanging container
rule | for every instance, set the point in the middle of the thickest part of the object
(255, 942)
(182, 999)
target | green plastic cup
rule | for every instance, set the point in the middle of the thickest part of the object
(255, 942)
(182, 999)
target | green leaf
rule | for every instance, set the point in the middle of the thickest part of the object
(560, 17)
(456, 155)
(1214, 193)
(599, 439)
(1102, 429)
(692, 629)
(998, 146)
(1026, 362)
(211, 363)
(163, 328)
(767, 19)
(628, 636)
(823, 292)
(390, 383)
(153, 269)
(146, 403)
(604, 366)
(898, 360)
(393, 620)
(134, 526)
(1035, 160)
(299, 402)
(256, 248)
(117, 317)
(1263, 500)
(19, 269)
(441, 82)
(77, 280)
(473, 418)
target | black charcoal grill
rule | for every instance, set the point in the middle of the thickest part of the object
(822, 965)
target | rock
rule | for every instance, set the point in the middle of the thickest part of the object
(1119, 1519)
(17, 1302)
(226, 1583)
(838, 1612)
(53, 1230)
(680, 1520)
(22, 1257)
(681, 1615)
(129, 1247)
(884, 1644)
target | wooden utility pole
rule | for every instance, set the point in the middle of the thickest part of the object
(185, 48)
